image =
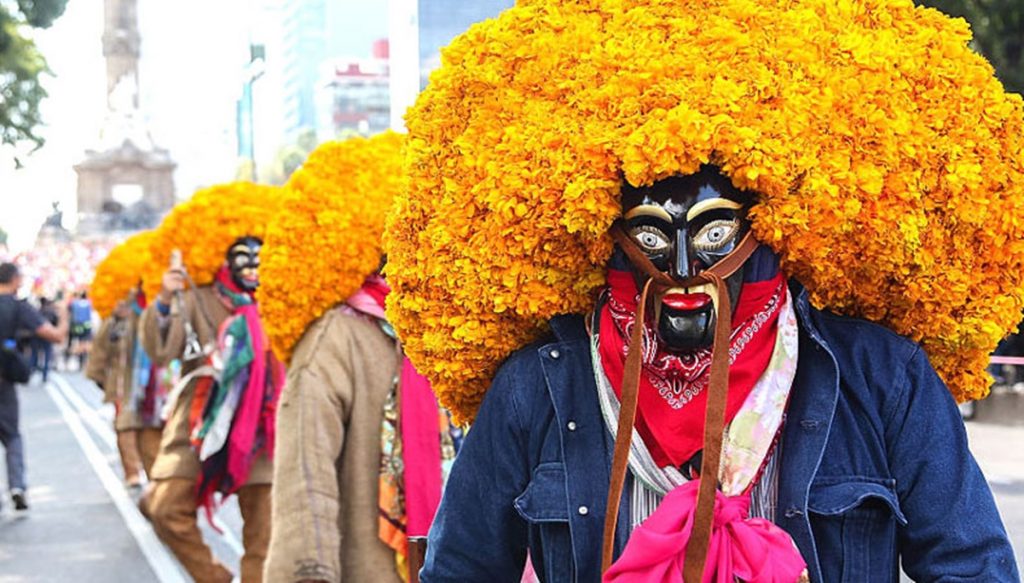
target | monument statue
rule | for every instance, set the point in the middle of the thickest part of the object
(125, 153)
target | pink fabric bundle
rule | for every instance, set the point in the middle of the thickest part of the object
(421, 448)
(421, 440)
(751, 549)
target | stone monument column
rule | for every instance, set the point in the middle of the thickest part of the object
(125, 154)
(121, 41)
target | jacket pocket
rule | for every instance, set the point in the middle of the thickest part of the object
(544, 504)
(854, 520)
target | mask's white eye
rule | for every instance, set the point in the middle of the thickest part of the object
(651, 239)
(716, 235)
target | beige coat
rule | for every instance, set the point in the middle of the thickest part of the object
(328, 455)
(111, 365)
(163, 338)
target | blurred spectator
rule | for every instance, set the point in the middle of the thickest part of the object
(17, 316)
(42, 350)
(80, 339)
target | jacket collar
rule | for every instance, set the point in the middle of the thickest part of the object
(569, 327)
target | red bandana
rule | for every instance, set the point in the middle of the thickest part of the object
(377, 288)
(672, 399)
(224, 278)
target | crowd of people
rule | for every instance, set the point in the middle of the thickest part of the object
(72, 353)
(643, 295)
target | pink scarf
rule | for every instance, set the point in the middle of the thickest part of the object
(421, 442)
(749, 549)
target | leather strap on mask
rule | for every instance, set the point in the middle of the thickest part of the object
(718, 387)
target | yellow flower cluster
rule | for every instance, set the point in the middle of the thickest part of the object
(327, 239)
(205, 226)
(120, 272)
(887, 157)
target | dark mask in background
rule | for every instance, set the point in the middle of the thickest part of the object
(684, 225)
(244, 262)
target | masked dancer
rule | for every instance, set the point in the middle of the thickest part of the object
(725, 268)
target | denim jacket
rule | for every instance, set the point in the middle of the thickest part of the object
(874, 469)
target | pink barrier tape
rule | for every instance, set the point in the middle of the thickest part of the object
(1018, 360)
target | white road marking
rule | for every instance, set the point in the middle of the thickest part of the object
(107, 434)
(164, 566)
(87, 413)
(229, 537)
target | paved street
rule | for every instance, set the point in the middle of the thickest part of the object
(83, 527)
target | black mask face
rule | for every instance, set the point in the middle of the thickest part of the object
(244, 263)
(686, 225)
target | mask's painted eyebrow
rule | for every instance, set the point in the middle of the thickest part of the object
(648, 210)
(712, 204)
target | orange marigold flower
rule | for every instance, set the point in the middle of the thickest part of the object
(120, 272)
(327, 239)
(887, 157)
(206, 225)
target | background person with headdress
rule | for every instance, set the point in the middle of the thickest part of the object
(219, 437)
(362, 447)
(636, 222)
(119, 365)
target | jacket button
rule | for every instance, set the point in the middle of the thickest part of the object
(571, 425)
(583, 510)
(555, 353)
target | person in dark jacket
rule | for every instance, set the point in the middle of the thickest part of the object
(16, 316)
(871, 461)
(628, 232)
(41, 349)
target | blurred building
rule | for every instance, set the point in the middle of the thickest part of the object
(126, 181)
(304, 33)
(418, 30)
(353, 96)
(440, 21)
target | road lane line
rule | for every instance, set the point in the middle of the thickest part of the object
(88, 414)
(229, 537)
(160, 561)
(109, 437)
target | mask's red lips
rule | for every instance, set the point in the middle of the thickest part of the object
(685, 302)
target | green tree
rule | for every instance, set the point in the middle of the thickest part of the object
(998, 27)
(21, 66)
(3, 237)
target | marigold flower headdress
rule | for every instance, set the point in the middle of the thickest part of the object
(120, 272)
(887, 157)
(204, 226)
(327, 240)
